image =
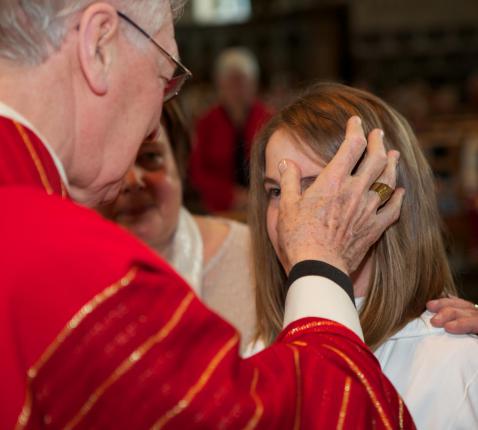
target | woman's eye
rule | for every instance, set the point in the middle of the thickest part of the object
(150, 160)
(273, 193)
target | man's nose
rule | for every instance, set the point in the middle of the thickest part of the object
(134, 180)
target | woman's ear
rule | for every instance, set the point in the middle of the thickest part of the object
(98, 34)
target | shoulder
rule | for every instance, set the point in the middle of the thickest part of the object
(431, 351)
(57, 257)
(214, 232)
(422, 332)
(223, 239)
(48, 233)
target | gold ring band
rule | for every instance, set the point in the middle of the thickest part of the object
(383, 191)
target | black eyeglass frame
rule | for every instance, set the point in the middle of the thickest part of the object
(174, 84)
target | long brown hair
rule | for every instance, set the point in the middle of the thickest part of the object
(410, 265)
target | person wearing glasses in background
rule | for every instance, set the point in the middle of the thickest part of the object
(96, 330)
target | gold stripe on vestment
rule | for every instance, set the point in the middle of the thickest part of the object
(311, 325)
(345, 403)
(35, 158)
(252, 424)
(298, 377)
(67, 330)
(133, 358)
(400, 412)
(198, 386)
(365, 383)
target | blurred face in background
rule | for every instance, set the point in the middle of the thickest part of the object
(236, 88)
(150, 199)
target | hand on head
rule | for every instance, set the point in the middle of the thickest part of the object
(337, 219)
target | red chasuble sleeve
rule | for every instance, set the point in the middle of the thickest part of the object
(98, 333)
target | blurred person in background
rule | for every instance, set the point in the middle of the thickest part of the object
(435, 372)
(212, 254)
(223, 136)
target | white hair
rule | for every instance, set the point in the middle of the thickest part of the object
(31, 29)
(237, 59)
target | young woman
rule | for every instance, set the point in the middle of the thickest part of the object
(436, 372)
(211, 253)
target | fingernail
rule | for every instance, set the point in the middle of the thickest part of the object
(357, 120)
(437, 318)
(282, 166)
(382, 134)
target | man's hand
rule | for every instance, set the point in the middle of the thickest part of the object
(337, 219)
(455, 315)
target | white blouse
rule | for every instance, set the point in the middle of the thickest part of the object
(435, 372)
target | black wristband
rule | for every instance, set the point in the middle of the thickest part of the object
(319, 268)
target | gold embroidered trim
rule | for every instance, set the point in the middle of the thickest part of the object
(252, 424)
(63, 189)
(67, 330)
(80, 316)
(365, 383)
(35, 158)
(25, 414)
(299, 343)
(308, 326)
(345, 403)
(198, 386)
(298, 376)
(400, 412)
(132, 360)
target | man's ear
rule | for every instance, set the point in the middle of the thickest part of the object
(98, 34)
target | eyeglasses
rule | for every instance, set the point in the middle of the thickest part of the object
(181, 74)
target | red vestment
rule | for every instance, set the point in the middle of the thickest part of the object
(98, 333)
(212, 165)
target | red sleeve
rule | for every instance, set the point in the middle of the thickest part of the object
(112, 338)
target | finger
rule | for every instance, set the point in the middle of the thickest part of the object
(390, 213)
(350, 151)
(388, 177)
(462, 326)
(376, 160)
(289, 182)
(438, 304)
(445, 315)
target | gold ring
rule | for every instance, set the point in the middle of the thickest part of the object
(383, 191)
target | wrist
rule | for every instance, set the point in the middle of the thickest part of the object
(325, 270)
(325, 258)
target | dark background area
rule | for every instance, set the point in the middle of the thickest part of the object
(421, 56)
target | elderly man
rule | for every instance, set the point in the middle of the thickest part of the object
(96, 331)
(219, 166)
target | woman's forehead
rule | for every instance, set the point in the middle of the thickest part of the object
(284, 145)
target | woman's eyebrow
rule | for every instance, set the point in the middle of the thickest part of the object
(307, 180)
(268, 180)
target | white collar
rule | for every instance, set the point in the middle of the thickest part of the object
(186, 251)
(8, 112)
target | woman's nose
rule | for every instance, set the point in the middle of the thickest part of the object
(134, 180)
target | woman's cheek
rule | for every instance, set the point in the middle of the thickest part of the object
(272, 217)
